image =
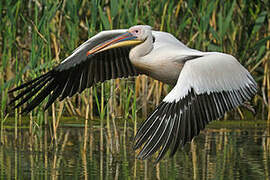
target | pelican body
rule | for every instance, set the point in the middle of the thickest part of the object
(206, 84)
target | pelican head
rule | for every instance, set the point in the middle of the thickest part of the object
(134, 36)
(140, 31)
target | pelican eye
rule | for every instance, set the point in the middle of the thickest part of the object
(154, 39)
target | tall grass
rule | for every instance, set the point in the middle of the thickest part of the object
(36, 35)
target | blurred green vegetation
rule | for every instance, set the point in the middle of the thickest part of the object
(36, 35)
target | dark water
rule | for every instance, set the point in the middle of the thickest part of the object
(232, 152)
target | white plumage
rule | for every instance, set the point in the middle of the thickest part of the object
(213, 72)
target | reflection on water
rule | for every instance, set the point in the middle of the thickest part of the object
(227, 153)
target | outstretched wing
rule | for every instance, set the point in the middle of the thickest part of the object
(77, 72)
(207, 87)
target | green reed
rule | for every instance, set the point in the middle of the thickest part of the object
(35, 36)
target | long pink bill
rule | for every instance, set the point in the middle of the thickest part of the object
(124, 37)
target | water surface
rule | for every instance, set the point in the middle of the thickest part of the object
(221, 151)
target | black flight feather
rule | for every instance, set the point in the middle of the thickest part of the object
(175, 123)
